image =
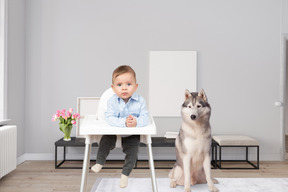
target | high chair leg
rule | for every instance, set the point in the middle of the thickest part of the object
(86, 164)
(151, 163)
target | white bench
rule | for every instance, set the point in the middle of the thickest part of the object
(235, 141)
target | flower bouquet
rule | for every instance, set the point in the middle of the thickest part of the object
(66, 121)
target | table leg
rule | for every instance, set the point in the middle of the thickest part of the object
(86, 164)
(151, 163)
(55, 156)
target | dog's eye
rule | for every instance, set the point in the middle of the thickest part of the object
(189, 106)
(199, 106)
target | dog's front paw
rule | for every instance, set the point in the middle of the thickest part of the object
(173, 184)
(215, 181)
(213, 189)
(187, 189)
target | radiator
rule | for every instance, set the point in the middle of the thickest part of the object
(8, 149)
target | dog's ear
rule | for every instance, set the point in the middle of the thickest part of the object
(202, 95)
(187, 94)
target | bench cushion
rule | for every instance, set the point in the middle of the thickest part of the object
(235, 140)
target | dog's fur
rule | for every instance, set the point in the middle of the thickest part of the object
(193, 144)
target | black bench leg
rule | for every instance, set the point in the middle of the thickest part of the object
(257, 157)
(247, 154)
(220, 154)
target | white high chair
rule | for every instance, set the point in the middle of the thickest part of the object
(94, 126)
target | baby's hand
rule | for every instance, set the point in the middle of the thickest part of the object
(131, 121)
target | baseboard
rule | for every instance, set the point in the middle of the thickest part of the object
(35, 156)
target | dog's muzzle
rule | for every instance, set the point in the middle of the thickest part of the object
(193, 117)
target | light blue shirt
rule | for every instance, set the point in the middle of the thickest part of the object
(118, 111)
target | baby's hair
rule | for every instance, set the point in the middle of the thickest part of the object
(121, 70)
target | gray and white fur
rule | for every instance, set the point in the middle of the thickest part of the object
(193, 144)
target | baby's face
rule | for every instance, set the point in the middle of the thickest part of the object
(124, 86)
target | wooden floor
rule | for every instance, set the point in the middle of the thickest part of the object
(41, 176)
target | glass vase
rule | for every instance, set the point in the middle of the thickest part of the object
(66, 129)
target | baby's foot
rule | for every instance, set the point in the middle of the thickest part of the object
(96, 168)
(123, 181)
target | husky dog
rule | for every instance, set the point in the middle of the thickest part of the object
(193, 144)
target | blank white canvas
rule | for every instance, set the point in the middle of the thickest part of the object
(170, 73)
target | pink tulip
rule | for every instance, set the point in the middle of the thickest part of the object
(62, 114)
(54, 117)
(75, 116)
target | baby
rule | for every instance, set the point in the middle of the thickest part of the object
(124, 109)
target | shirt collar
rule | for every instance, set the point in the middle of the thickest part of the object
(135, 96)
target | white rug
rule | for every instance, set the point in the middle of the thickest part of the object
(225, 185)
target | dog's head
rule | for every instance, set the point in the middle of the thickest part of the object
(195, 106)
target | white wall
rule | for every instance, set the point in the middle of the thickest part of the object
(73, 46)
(16, 69)
(286, 98)
(285, 32)
(285, 16)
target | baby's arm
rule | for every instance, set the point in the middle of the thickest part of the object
(143, 117)
(111, 117)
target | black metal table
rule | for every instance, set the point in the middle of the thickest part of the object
(75, 142)
(156, 142)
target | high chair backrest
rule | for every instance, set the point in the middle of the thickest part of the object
(102, 108)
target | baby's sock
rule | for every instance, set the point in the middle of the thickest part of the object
(123, 181)
(96, 168)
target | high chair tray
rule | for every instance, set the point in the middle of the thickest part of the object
(92, 126)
